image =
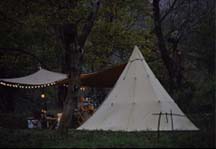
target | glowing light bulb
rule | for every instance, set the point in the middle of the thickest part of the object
(43, 96)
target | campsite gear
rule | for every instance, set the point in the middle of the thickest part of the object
(33, 123)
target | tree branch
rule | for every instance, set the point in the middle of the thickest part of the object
(24, 52)
(89, 24)
(168, 11)
(9, 20)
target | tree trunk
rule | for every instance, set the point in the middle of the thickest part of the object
(172, 67)
(73, 46)
(62, 90)
(62, 94)
(73, 65)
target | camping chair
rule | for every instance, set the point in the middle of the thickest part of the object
(59, 115)
(33, 123)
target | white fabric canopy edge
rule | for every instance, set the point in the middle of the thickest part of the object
(42, 77)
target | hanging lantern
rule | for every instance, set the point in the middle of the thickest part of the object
(43, 96)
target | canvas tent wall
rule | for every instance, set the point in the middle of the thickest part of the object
(138, 102)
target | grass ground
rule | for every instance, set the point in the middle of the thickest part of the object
(25, 138)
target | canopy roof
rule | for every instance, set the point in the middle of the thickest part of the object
(44, 78)
(106, 78)
(41, 78)
(138, 102)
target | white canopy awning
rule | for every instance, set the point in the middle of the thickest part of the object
(41, 78)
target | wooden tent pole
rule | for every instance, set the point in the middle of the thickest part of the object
(171, 116)
(158, 129)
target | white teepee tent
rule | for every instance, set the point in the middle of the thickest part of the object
(138, 102)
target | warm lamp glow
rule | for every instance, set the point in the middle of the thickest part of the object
(82, 88)
(42, 96)
(43, 111)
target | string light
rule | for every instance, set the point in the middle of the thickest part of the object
(82, 88)
(65, 85)
(28, 86)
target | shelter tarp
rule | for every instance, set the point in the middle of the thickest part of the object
(106, 78)
(138, 102)
(43, 78)
(40, 78)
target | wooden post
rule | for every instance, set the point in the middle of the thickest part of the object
(166, 117)
(159, 119)
(171, 120)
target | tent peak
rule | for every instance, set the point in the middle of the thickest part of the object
(136, 55)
